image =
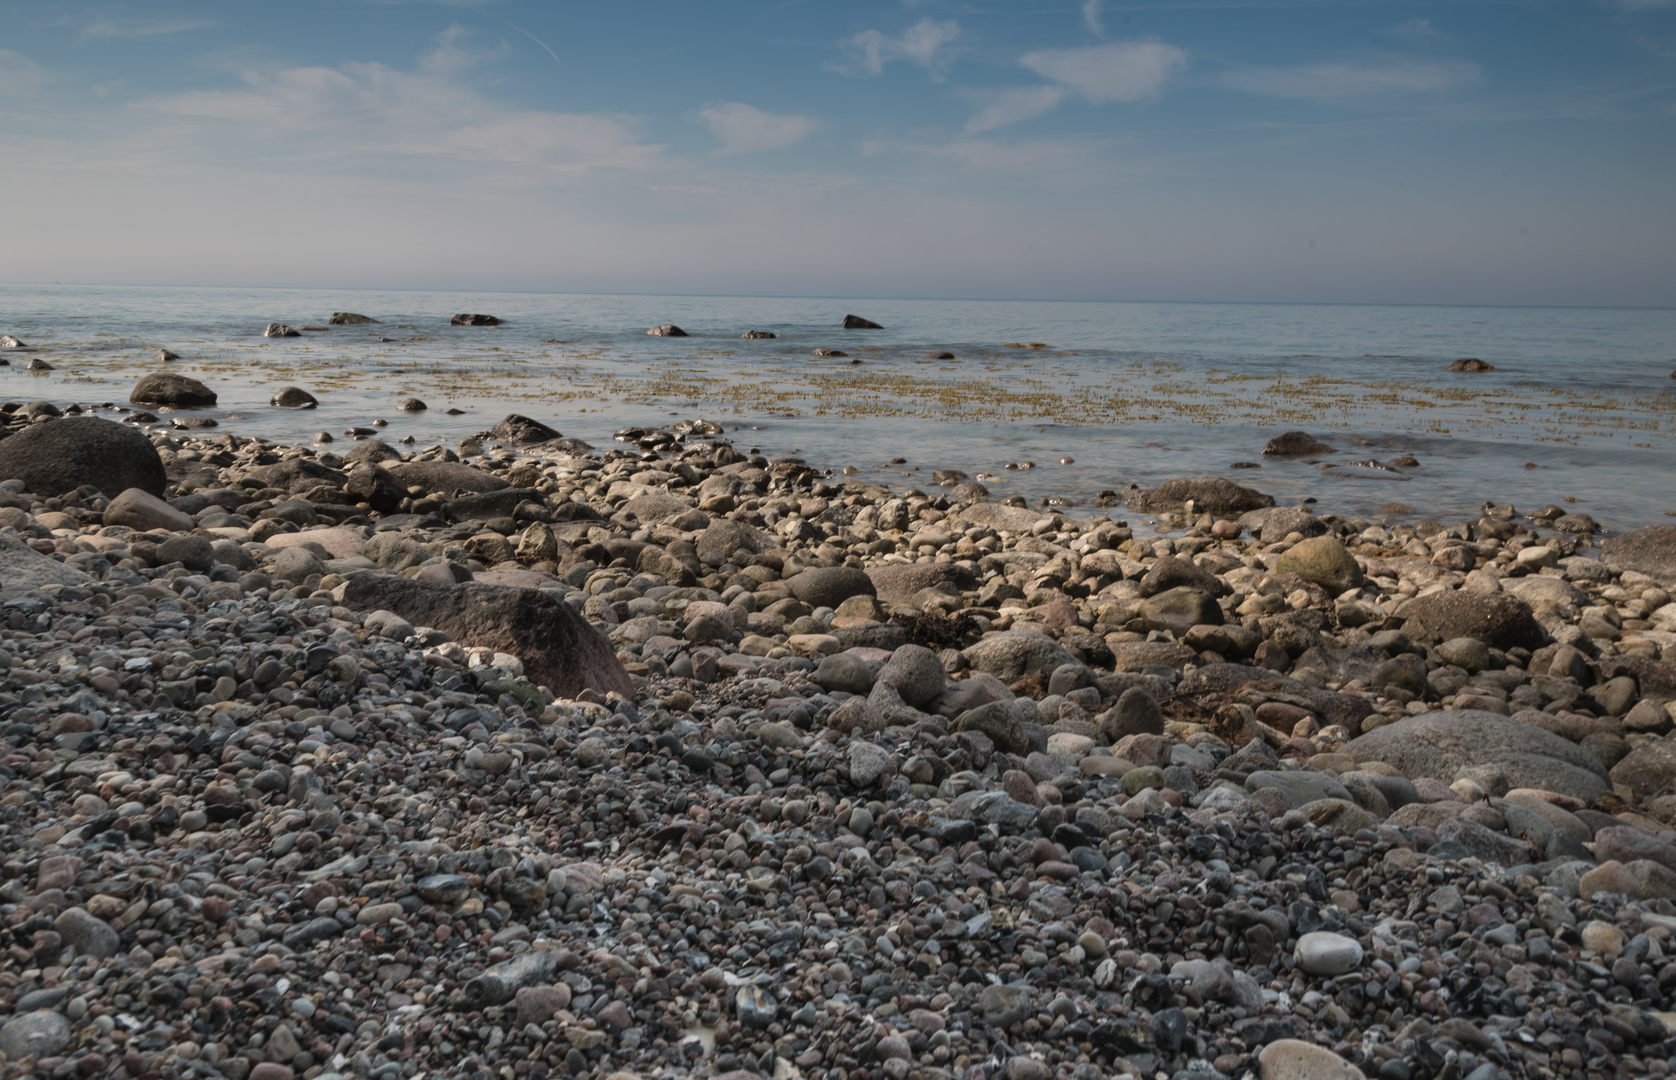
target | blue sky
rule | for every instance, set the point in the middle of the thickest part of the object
(1331, 152)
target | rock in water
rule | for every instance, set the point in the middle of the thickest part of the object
(60, 456)
(349, 318)
(758, 335)
(294, 397)
(667, 330)
(164, 355)
(22, 567)
(1471, 363)
(1295, 444)
(856, 322)
(161, 388)
(1210, 494)
(279, 329)
(522, 431)
(558, 647)
(474, 320)
(7, 341)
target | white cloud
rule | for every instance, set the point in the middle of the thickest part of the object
(924, 43)
(363, 111)
(743, 128)
(1327, 82)
(1016, 104)
(1091, 17)
(1118, 71)
(106, 27)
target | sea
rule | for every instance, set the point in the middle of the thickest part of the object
(1072, 403)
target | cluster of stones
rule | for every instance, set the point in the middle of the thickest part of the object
(527, 759)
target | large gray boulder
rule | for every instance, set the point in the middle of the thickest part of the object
(56, 456)
(1438, 745)
(560, 650)
(829, 586)
(23, 568)
(725, 538)
(445, 478)
(1017, 653)
(1650, 550)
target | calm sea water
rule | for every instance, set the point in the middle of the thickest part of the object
(1581, 404)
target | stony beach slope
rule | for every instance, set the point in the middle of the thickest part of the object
(530, 758)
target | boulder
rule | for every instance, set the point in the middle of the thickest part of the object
(758, 335)
(1323, 561)
(1346, 709)
(1438, 745)
(279, 329)
(856, 322)
(474, 320)
(294, 397)
(445, 478)
(1471, 363)
(143, 512)
(1276, 523)
(897, 584)
(1649, 550)
(1295, 444)
(1295, 1059)
(1169, 572)
(916, 673)
(1209, 494)
(23, 568)
(163, 388)
(1016, 653)
(195, 553)
(1498, 620)
(349, 318)
(1641, 879)
(61, 455)
(522, 431)
(1646, 771)
(375, 451)
(1136, 713)
(999, 722)
(1179, 610)
(559, 649)
(829, 586)
(667, 330)
(724, 538)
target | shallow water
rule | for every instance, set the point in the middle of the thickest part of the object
(1581, 404)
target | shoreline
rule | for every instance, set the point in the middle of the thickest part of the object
(760, 767)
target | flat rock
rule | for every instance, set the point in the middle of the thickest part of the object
(896, 584)
(829, 586)
(1016, 653)
(1650, 550)
(1209, 494)
(1294, 1059)
(144, 512)
(445, 478)
(1438, 745)
(23, 568)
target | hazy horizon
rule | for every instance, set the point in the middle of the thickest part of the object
(1371, 153)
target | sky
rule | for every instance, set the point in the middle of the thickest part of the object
(1346, 151)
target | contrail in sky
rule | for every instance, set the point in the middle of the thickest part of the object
(527, 34)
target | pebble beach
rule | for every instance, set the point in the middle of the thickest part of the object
(516, 756)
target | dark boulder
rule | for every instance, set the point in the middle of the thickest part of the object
(1471, 363)
(474, 320)
(373, 450)
(896, 584)
(374, 486)
(445, 477)
(759, 335)
(279, 329)
(1170, 572)
(1209, 494)
(667, 330)
(57, 456)
(1498, 620)
(829, 586)
(1295, 444)
(298, 475)
(856, 322)
(522, 431)
(560, 650)
(160, 388)
(349, 318)
(294, 397)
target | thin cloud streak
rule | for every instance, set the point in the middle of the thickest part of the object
(1337, 81)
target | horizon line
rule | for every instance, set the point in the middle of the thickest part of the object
(883, 299)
